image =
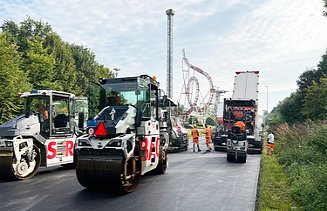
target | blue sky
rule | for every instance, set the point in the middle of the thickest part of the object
(278, 37)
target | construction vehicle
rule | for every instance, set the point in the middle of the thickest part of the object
(127, 138)
(177, 134)
(44, 135)
(219, 135)
(241, 107)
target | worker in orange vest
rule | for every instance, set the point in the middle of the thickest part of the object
(207, 132)
(241, 125)
(195, 136)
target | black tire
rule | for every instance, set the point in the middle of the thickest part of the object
(163, 162)
(106, 174)
(8, 171)
(230, 157)
(242, 158)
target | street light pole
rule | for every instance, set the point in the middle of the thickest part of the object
(116, 69)
(267, 99)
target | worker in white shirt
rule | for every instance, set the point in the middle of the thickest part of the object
(270, 144)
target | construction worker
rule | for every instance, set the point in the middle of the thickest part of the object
(43, 111)
(195, 136)
(270, 145)
(241, 125)
(207, 132)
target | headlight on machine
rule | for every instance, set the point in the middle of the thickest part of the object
(4, 143)
(115, 143)
(9, 143)
(83, 142)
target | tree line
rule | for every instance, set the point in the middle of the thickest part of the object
(33, 56)
(309, 102)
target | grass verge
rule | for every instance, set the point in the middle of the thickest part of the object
(274, 185)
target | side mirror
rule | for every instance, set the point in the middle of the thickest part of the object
(138, 119)
(81, 120)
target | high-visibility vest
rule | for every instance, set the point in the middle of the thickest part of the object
(207, 131)
(195, 133)
(241, 125)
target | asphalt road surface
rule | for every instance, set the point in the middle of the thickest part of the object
(193, 181)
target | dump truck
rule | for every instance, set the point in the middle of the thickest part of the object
(44, 135)
(128, 136)
(242, 107)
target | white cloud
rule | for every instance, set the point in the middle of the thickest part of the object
(280, 38)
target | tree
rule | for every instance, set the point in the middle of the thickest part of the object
(88, 70)
(291, 108)
(39, 66)
(65, 74)
(13, 79)
(315, 101)
(307, 78)
(325, 12)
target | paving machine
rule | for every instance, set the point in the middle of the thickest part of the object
(128, 136)
(44, 135)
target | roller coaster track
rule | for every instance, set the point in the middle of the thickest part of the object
(195, 80)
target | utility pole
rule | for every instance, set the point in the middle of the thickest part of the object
(116, 70)
(170, 13)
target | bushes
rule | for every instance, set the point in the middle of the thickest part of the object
(302, 150)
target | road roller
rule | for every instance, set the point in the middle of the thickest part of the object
(44, 135)
(127, 135)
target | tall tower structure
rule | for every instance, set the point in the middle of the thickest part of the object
(170, 13)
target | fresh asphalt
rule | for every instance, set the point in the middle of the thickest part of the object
(193, 181)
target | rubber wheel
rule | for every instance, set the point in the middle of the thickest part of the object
(107, 174)
(11, 170)
(163, 162)
(242, 158)
(230, 157)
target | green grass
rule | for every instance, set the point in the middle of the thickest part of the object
(274, 186)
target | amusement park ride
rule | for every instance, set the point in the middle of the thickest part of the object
(194, 102)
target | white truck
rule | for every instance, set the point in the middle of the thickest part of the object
(243, 107)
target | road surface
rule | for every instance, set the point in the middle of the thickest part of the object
(194, 181)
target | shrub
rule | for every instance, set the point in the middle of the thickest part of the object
(302, 150)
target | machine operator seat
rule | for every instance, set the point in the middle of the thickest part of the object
(60, 121)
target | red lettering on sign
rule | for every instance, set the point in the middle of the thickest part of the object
(69, 148)
(52, 152)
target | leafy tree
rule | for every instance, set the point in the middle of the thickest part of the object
(13, 79)
(307, 78)
(87, 68)
(325, 12)
(315, 101)
(20, 34)
(39, 66)
(291, 108)
(65, 75)
(274, 117)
